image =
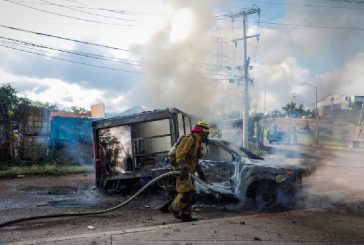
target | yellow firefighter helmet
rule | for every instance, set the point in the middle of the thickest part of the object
(203, 125)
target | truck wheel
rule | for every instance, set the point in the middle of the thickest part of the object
(266, 196)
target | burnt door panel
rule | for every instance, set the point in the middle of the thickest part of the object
(217, 165)
(115, 148)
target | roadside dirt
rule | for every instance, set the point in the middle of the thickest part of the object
(339, 130)
(31, 196)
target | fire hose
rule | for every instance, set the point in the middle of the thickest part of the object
(149, 184)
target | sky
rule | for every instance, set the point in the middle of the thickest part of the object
(179, 53)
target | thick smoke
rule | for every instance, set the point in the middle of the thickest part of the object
(332, 59)
(174, 74)
(337, 55)
(345, 80)
(319, 48)
(288, 56)
(335, 181)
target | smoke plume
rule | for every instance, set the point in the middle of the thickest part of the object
(173, 71)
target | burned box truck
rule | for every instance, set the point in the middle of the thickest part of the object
(131, 150)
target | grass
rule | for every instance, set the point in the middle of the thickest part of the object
(309, 139)
(51, 169)
(323, 140)
(348, 117)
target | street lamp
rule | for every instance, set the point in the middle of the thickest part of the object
(316, 112)
(294, 96)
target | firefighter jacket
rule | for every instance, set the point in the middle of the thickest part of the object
(187, 155)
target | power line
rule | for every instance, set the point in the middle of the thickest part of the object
(272, 42)
(115, 11)
(6, 45)
(72, 1)
(313, 26)
(134, 12)
(83, 54)
(77, 41)
(67, 60)
(63, 15)
(270, 5)
(86, 12)
(310, 5)
(32, 46)
(64, 38)
(348, 1)
(348, 28)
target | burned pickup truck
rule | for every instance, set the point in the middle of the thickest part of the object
(239, 173)
(132, 150)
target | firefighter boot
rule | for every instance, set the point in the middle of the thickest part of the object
(176, 214)
(187, 218)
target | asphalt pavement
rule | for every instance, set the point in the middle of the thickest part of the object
(295, 227)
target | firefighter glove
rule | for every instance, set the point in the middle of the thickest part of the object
(184, 174)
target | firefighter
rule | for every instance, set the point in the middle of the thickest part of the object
(187, 155)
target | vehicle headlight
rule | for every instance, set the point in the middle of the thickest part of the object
(280, 178)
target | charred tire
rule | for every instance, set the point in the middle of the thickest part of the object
(266, 195)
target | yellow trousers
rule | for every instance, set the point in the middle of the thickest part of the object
(186, 196)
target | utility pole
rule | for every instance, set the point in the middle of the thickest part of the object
(246, 79)
(292, 122)
(265, 102)
(218, 58)
(360, 122)
(316, 118)
(316, 113)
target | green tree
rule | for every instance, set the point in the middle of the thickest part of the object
(51, 107)
(295, 111)
(10, 99)
(300, 111)
(290, 108)
(78, 109)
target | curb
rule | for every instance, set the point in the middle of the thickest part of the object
(106, 236)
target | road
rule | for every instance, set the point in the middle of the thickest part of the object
(336, 177)
(333, 204)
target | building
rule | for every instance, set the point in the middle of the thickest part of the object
(69, 114)
(70, 140)
(339, 104)
(356, 102)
